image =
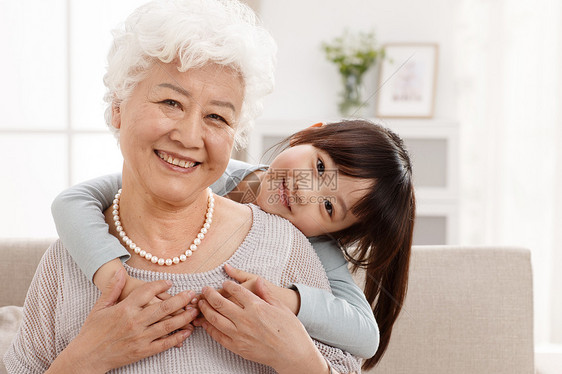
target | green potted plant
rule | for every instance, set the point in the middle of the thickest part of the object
(354, 55)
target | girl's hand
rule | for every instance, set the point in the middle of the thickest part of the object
(119, 333)
(259, 328)
(290, 298)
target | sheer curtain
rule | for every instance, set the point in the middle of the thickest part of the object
(509, 57)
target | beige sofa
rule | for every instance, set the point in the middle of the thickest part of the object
(468, 309)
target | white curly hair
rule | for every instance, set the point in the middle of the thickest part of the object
(193, 33)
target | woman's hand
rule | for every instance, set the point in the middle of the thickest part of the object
(104, 275)
(259, 328)
(133, 283)
(117, 334)
(290, 298)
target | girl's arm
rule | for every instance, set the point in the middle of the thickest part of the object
(343, 319)
(78, 215)
(80, 223)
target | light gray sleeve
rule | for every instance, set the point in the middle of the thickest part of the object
(343, 319)
(235, 172)
(80, 223)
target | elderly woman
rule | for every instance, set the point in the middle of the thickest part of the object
(185, 80)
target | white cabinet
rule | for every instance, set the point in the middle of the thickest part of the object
(433, 148)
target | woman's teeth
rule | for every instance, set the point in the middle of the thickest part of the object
(176, 161)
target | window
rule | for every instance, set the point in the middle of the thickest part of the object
(52, 129)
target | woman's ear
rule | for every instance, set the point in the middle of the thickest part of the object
(116, 114)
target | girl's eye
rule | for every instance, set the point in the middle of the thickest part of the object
(320, 167)
(217, 117)
(329, 207)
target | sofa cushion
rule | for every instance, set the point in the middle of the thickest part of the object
(20, 259)
(468, 310)
(10, 318)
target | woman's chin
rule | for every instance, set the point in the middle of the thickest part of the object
(176, 193)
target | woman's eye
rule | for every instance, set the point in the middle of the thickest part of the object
(172, 103)
(218, 118)
(329, 207)
(320, 167)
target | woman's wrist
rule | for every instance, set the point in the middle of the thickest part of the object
(311, 362)
(289, 297)
(73, 360)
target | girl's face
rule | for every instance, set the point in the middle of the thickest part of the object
(304, 186)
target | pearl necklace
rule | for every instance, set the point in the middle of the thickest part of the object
(165, 261)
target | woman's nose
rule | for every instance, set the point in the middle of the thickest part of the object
(189, 132)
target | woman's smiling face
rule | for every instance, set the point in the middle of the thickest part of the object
(304, 186)
(177, 129)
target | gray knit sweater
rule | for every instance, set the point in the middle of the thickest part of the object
(60, 298)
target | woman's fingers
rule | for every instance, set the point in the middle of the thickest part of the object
(142, 295)
(198, 322)
(174, 340)
(215, 307)
(215, 318)
(216, 334)
(157, 311)
(216, 300)
(237, 274)
(152, 312)
(258, 331)
(265, 293)
(223, 293)
(238, 292)
(167, 326)
(163, 296)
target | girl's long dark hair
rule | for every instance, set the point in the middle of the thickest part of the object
(381, 241)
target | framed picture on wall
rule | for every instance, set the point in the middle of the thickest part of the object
(407, 81)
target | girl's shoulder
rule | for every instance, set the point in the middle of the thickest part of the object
(329, 251)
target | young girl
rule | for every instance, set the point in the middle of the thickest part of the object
(346, 185)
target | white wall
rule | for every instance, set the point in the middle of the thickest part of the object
(307, 84)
